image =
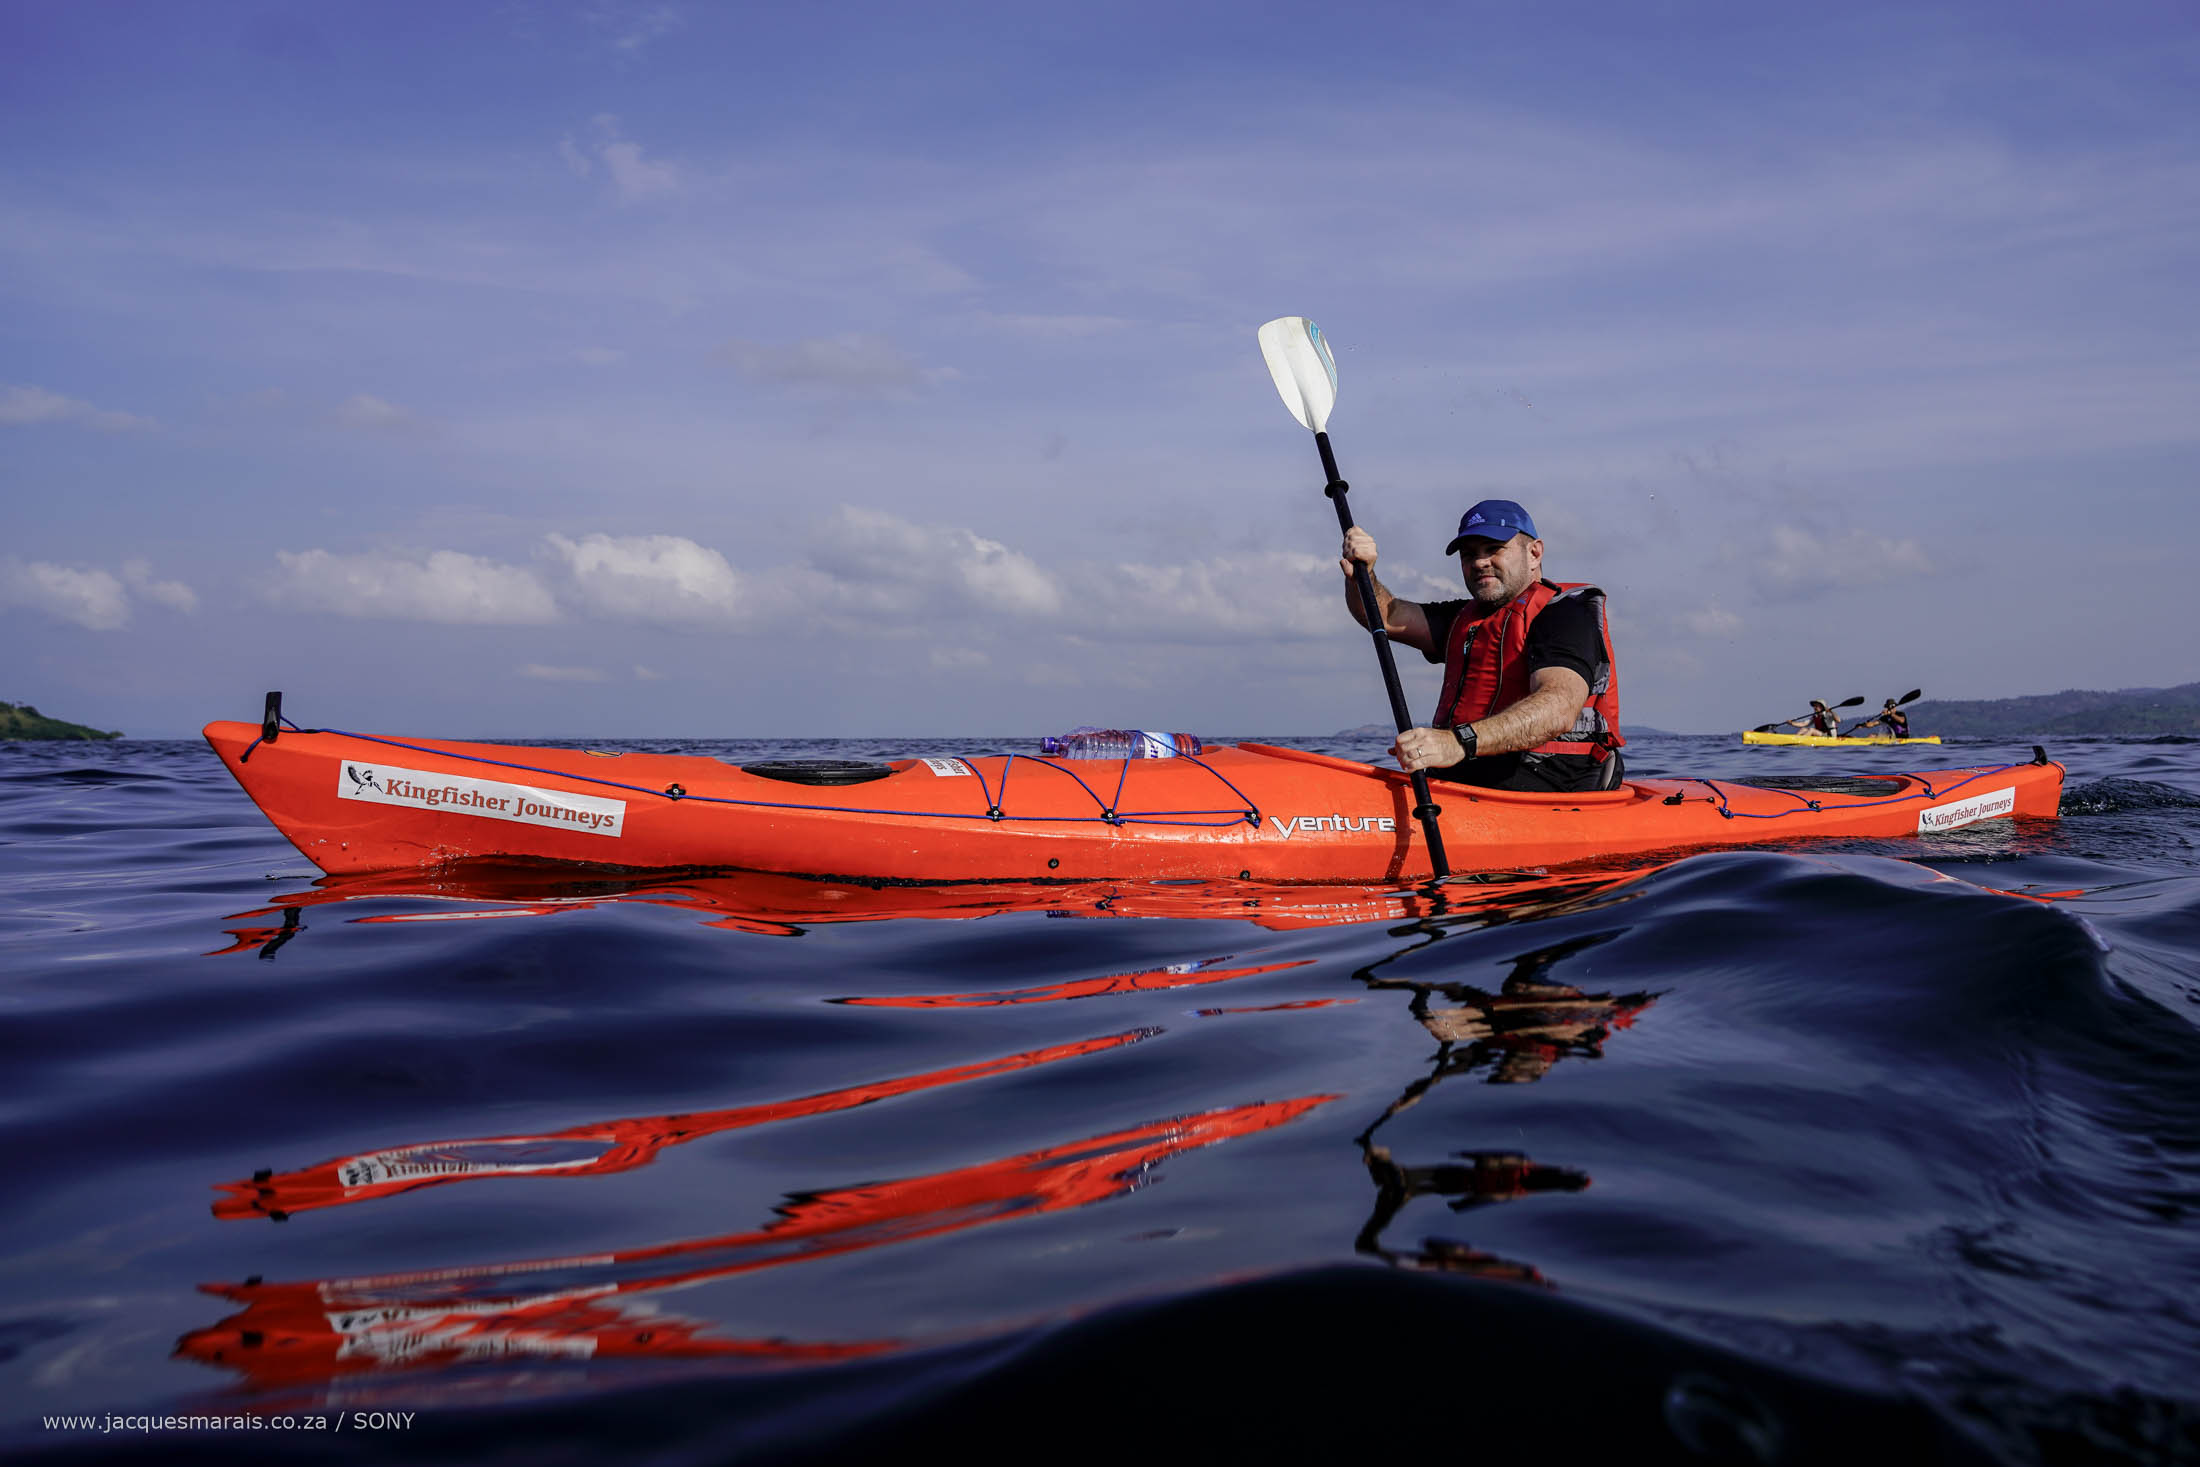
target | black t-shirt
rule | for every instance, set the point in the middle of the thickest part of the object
(1564, 634)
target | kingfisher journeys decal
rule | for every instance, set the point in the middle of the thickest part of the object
(1965, 812)
(492, 799)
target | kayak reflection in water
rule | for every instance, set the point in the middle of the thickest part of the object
(1531, 691)
(598, 1305)
(590, 1150)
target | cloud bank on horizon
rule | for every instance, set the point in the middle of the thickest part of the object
(625, 369)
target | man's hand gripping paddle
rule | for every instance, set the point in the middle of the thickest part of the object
(1306, 378)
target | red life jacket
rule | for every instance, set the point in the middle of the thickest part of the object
(1486, 668)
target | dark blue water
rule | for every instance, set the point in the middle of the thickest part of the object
(1779, 1155)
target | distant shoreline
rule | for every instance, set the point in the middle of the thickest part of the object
(22, 721)
(2125, 713)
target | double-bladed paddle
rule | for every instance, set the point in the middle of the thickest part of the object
(1844, 703)
(1911, 696)
(1306, 378)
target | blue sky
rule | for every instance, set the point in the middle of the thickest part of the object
(606, 369)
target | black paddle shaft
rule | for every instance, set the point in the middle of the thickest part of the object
(1426, 809)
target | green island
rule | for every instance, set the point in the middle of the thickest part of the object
(22, 721)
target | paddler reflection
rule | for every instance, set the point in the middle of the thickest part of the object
(1514, 1035)
(1528, 1025)
(1471, 1179)
(593, 1306)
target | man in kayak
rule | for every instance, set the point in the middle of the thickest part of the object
(1530, 698)
(1891, 718)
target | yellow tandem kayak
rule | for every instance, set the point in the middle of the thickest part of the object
(1841, 741)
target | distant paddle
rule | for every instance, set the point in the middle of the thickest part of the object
(1910, 697)
(1844, 703)
(1306, 379)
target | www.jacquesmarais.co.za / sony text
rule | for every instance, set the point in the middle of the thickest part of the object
(108, 1423)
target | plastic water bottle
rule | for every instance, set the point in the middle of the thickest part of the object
(1086, 742)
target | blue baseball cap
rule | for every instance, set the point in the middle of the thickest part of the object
(1493, 519)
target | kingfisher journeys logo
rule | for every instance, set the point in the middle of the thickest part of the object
(492, 799)
(1967, 812)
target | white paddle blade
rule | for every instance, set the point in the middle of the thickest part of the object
(1306, 374)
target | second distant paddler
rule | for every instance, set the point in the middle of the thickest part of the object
(1891, 718)
(1531, 696)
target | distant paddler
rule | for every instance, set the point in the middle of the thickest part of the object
(1890, 717)
(1820, 719)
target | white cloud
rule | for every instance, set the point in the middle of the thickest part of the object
(1059, 326)
(1711, 621)
(636, 176)
(446, 586)
(647, 674)
(649, 577)
(919, 270)
(855, 362)
(91, 598)
(958, 659)
(633, 175)
(894, 566)
(175, 595)
(1793, 563)
(542, 672)
(874, 565)
(630, 29)
(1270, 595)
(22, 406)
(364, 410)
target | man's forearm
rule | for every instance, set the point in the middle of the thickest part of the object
(1533, 721)
(1383, 599)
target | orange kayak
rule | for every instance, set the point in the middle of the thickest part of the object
(358, 802)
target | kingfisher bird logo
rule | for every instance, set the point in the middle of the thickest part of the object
(364, 779)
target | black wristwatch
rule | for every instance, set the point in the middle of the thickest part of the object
(1464, 733)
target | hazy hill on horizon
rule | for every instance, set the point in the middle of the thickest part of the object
(2125, 711)
(2074, 711)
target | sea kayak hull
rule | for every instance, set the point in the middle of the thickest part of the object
(1831, 741)
(356, 803)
